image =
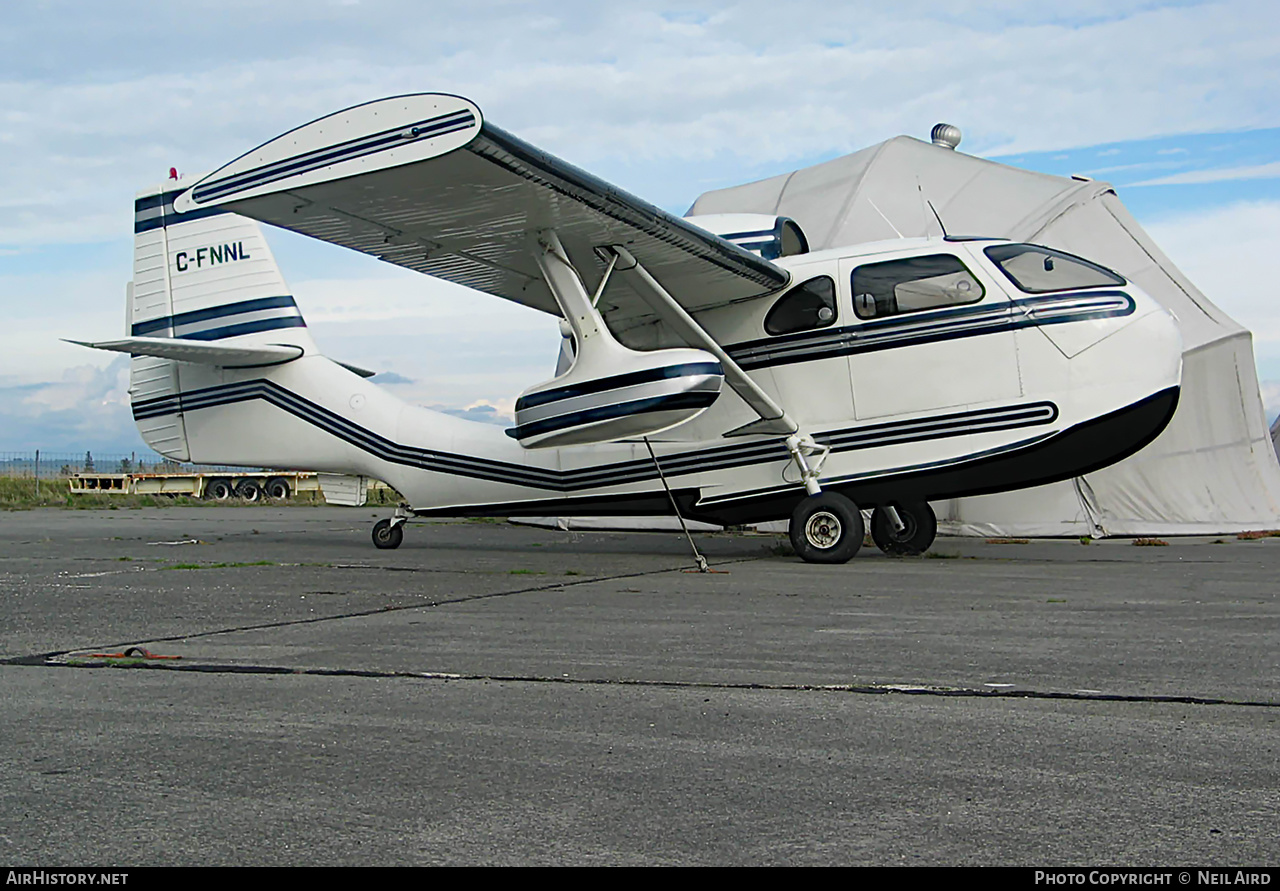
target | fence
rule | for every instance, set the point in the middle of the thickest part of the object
(54, 465)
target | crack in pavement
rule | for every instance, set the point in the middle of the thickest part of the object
(70, 659)
(44, 658)
(65, 661)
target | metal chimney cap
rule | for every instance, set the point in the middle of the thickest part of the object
(947, 135)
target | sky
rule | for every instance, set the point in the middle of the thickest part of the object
(1175, 103)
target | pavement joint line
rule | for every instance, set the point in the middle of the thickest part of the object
(60, 660)
(44, 658)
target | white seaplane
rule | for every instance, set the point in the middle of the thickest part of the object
(715, 368)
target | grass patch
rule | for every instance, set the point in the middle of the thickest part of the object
(1150, 543)
(1086, 539)
(22, 493)
(1259, 534)
(527, 572)
(1008, 541)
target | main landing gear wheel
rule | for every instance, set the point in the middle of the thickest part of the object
(919, 529)
(387, 536)
(249, 491)
(826, 528)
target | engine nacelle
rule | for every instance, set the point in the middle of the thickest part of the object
(770, 237)
(612, 392)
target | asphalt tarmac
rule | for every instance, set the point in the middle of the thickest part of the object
(500, 694)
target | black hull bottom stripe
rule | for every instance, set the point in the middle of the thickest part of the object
(841, 482)
(1038, 461)
(1073, 452)
(620, 473)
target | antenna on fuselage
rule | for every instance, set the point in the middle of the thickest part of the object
(937, 217)
(923, 202)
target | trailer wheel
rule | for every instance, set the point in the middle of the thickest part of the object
(277, 489)
(826, 528)
(218, 490)
(920, 529)
(387, 537)
(249, 490)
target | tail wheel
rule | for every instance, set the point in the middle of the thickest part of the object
(387, 537)
(277, 489)
(249, 490)
(919, 529)
(218, 490)
(826, 528)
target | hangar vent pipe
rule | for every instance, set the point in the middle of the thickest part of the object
(946, 135)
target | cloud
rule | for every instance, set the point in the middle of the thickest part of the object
(665, 105)
(1227, 252)
(390, 377)
(451, 345)
(626, 90)
(86, 408)
(1271, 399)
(484, 413)
(1221, 174)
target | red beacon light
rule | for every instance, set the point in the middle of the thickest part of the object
(173, 173)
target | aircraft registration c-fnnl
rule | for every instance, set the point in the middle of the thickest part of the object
(712, 365)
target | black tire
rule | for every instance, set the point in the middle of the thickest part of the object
(218, 490)
(826, 528)
(249, 490)
(921, 528)
(387, 537)
(277, 489)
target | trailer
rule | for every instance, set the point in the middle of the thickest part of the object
(252, 486)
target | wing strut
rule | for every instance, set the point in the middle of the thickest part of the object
(773, 418)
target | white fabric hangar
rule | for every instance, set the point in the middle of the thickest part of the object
(1213, 470)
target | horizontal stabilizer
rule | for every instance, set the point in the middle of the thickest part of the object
(356, 369)
(199, 351)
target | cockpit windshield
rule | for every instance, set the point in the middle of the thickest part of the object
(1039, 270)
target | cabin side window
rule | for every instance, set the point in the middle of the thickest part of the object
(811, 305)
(913, 284)
(1039, 270)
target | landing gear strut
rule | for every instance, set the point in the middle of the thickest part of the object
(903, 529)
(826, 528)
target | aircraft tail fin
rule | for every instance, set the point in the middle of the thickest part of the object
(204, 277)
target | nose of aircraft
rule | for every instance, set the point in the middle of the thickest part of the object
(1136, 363)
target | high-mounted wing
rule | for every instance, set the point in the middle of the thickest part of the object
(422, 181)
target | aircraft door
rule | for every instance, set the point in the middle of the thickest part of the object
(928, 332)
(803, 338)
